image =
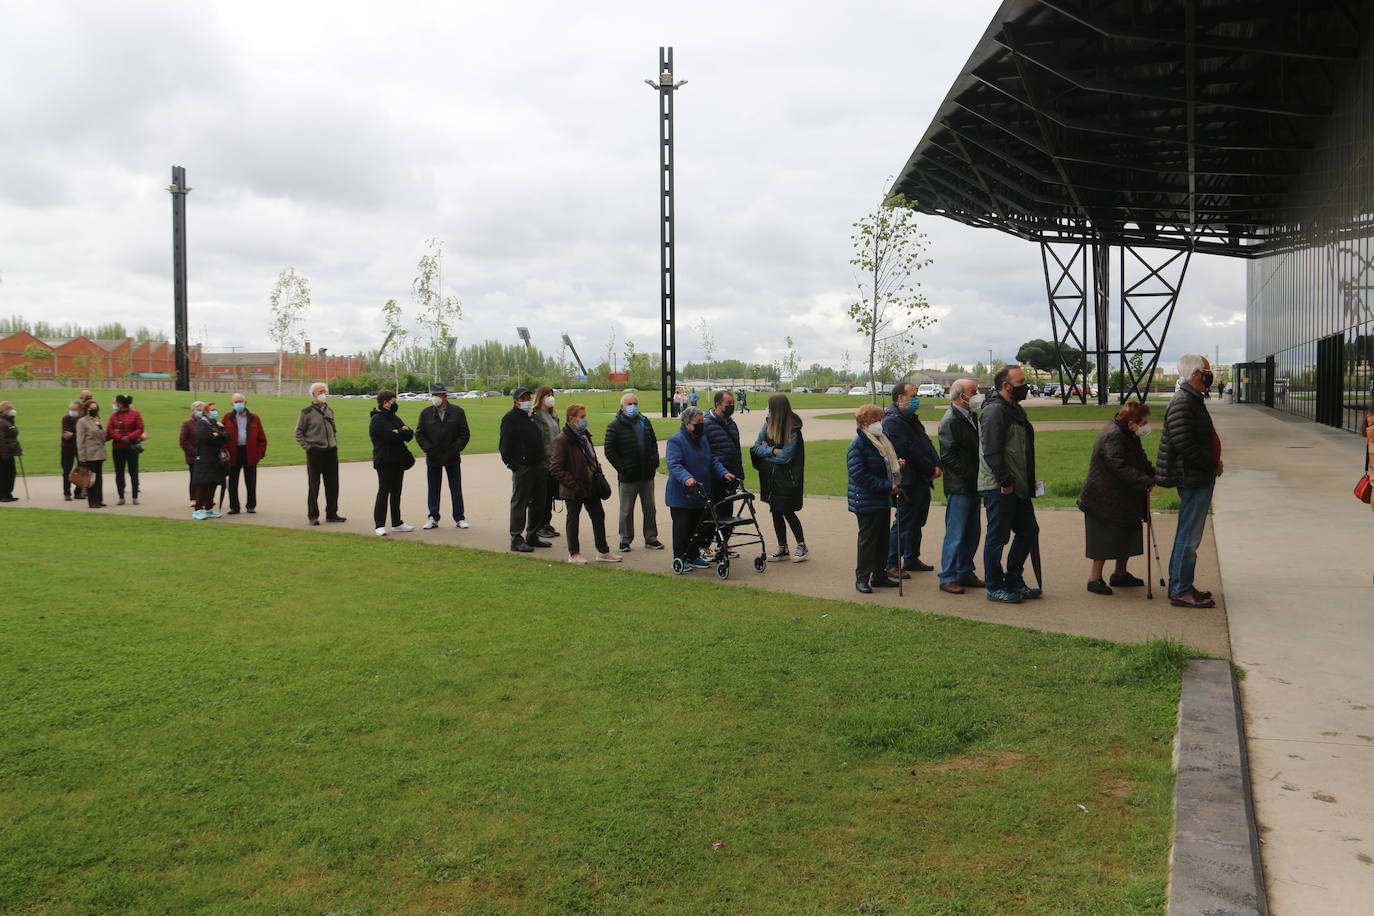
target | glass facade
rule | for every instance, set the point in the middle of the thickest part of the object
(1310, 302)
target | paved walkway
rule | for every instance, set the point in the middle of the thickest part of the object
(1295, 561)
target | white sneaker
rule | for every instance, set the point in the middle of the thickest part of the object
(381, 532)
(801, 555)
(403, 527)
(463, 523)
(430, 523)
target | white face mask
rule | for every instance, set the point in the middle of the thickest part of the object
(873, 429)
(526, 406)
(14, 412)
(1143, 431)
(321, 396)
(437, 401)
(548, 401)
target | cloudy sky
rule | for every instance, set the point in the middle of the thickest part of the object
(337, 138)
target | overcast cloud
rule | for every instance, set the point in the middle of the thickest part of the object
(337, 138)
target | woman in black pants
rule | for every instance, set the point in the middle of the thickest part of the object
(574, 467)
(780, 456)
(875, 475)
(69, 449)
(390, 459)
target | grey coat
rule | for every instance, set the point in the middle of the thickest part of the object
(90, 439)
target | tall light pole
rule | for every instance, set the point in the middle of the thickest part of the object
(665, 87)
(178, 190)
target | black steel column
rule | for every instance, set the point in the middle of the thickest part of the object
(178, 191)
(667, 281)
(1102, 303)
(1147, 311)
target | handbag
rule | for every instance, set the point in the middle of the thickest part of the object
(81, 477)
(136, 448)
(1362, 488)
(602, 485)
(224, 461)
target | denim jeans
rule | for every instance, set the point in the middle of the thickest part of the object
(1193, 503)
(1007, 514)
(963, 525)
(912, 512)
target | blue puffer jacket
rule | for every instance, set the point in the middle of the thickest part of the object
(723, 434)
(689, 456)
(870, 486)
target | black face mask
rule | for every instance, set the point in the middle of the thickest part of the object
(727, 410)
(394, 407)
(1208, 379)
(697, 429)
(1019, 392)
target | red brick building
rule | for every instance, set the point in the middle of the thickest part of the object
(84, 358)
(306, 367)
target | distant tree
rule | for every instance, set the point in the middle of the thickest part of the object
(437, 312)
(629, 355)
(288, 301)
(888, 250)
(955, 368)
(610, 350)
(20, 373)
(980, 371)
(82, 366)
(708, 345)
(789, 359)
(391, 318)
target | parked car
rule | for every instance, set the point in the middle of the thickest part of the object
(1052, 390)
(929, 390)
(494, 394)
(801, 389)
(835, 389)
(862, 390)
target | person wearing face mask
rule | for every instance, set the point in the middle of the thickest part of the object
(68, 449)
(575, 468)
(125, 430)
(546, 418)
(390, 459)
(722, 433)
(318, 436)
(247, 445)
(875, 477)
(779, 455)
(442, 433)
(920, 467)
(522, 451)
(1114, 496)
(632, 449)
(9, 451)
(208, 472)
(187, 440)
(1006, 481)
(90, 451)
(1190, 459)
(692, 468)
(959, 461)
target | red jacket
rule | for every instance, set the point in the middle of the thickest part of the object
(125, 427)
(257, 440)
(188, 439)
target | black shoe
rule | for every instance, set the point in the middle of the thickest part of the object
(519, 546)
(653, 545)
(335, 518)
(312, 521)
(536, 541)
(624, 546)
(547, 532)
(1125, 580)
(1098, 587)
(861, 585)
(918, 566)
(882, 581)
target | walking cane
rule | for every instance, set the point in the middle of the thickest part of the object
(1149, 575)
(1150, 524)
(24, 477)
(897, 499)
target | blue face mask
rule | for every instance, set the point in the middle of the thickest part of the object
(631, 410)
(240, 406)
(582, 425)
(913, 405)
(73, 414)
(214, 415)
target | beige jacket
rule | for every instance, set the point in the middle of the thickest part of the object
(315, 428)
(90, 439)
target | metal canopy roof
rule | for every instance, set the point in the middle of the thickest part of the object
(1154, 123)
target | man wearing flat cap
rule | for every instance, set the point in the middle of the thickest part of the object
(443, 433)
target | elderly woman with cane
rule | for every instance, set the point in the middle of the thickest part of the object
(875, 475)
(1115, 494)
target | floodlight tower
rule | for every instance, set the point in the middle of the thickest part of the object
(665, 87)
(179, 190)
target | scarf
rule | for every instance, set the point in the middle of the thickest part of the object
(884, 446)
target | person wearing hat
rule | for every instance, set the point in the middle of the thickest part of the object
(187, 440)
(9, 451)
(522, 450)
(442, 433)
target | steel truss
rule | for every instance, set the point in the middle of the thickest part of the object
(1078, 287)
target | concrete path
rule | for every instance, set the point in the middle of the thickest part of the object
(1295, 558)
(830, 530)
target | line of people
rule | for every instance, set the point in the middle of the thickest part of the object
(988, 457)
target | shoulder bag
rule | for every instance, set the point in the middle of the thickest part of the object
(1362, 487)
(81, 476)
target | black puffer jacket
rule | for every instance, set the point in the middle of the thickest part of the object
(622, 448)
(1185, 450)
(1118, 475)
(959, 453)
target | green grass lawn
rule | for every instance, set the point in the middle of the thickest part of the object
(262, 722)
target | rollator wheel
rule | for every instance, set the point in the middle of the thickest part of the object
(678, 566)
(760, 562)
(723, 569)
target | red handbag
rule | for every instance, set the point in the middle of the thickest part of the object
(1362, 489)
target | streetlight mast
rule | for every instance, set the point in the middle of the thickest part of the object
(178, 190)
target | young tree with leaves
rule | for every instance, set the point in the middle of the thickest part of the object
(437, 313)
(289, 301)
(396, 334)
(708, 345)
(888, 250)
